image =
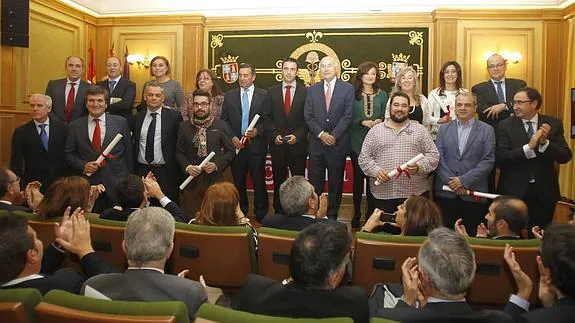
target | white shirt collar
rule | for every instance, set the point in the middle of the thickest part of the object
(534, 120)
(76, 82)
(146, 268)
(116, 79)
(6, 202)
(308, 216)
(22, 279)
(47, 122)
(502, 81)
(149, 113)
(331, 83)
(102, 118)
(292, 84)
(250, 89)
(439, 300)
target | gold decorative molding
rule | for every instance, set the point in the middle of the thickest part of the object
(66, 10)
(192, 19)
(569, 12)
(497, 14)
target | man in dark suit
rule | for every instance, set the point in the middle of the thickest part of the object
(38, 146)
(467, 154)
(318, 261)
(148, 242)
(25, 263)
(328, 114)
(11, 197)
(155, 131)
(444, 269)
(122, 91)
(89, 136)
(68, 94)
(239, 108)
(528, 146)
(288, 128)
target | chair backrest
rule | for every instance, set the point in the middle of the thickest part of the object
(274, 248)
(17, 305)
(107, 237)
(215, 313)
(225, 256)
(378, 258)
(61, 307)
(492, 270)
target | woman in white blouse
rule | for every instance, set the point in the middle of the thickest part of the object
(442, 99)
(406, 82)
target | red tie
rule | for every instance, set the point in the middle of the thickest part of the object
(97, 137)
(70, 103)
(287, 101)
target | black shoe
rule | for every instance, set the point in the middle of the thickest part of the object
(355, 223)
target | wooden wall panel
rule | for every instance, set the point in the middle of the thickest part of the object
(7, 89)
(445, 48)
(9, 120)
(194, 43)
(553, 73)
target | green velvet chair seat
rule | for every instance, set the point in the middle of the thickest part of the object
(225, 315)
(29, 297)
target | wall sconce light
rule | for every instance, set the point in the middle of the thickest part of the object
(510, 57)
(139, 59)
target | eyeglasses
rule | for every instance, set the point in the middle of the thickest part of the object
(494, 66)
(520, 101)
(201, 104)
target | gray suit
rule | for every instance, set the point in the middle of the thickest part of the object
(472, 167)
(79, 151)
(149, 285)
(56, 89)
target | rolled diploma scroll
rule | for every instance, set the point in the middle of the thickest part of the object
(250, 127)
(202, 164)
(438, 100)
(107, 151)
(403, 167)
(474, 193)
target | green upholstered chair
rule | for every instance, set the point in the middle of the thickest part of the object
(62, 307)
(493, 281)
(215, 313)
(107, 237)
(274, 248)
(17, 305)
(378, 258)
(225, 255)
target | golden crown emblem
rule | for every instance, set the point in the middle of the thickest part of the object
(401, 57)
(229, 59)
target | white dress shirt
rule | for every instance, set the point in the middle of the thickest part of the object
(47, 128)
(158, 155)
(69, 86)
(530, 153)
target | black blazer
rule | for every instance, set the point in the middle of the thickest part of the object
(294, 223)
(487, 96)
(516, 169)
(562, 312)
(232, 115)
(125, 90)
(281, 125)
(12, 207)
(30, 161)
(56, 89)
(117, 215)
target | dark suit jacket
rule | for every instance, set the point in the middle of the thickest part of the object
(232, 115)
(443, 312)
(294, 123)
(294, 223)
(473, 166)
(562, 312)
(150, 285)
(516, 169)
(31, 162)
(117, 215)
(262, 295)
(171, 120)
(337, 121)
(8, 207)
(79, 151)
(125, 90)
(56, 89)
(487, 96)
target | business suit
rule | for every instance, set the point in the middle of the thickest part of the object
(149, 285)
(472, 166)
(31, 162)
(122, 215)
(562, 312)
(56, 90)
(12, 207)
(79, 151)
(533, 180)
(487, 96)
(169, 176)
(336, 122)
(262, 295)
(125, 90)
(294, 223)
(252, 158)
(284, 155)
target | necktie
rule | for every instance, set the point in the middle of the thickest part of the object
(529, 129)
(328, 96)
(245, 111)
(500, 95)
(112, 85)
(150, 139)
(70, 103)
(43, 136)
(287, 100)
(97, 137)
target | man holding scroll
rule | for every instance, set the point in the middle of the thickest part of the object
(89, 136)
(390, 144)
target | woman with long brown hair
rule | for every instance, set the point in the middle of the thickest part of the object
(73, 191)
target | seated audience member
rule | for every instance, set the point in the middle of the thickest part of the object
(435, 284)
(416, 216)
(301, 206)
(318, 261)
(220, 207)
(507, 217)
(133, 192)
(24, 263)
(11, 198)
(73, 191)
(148, 242)
(556, 284)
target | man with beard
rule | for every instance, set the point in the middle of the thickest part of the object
(196, 139)
(392, 143)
